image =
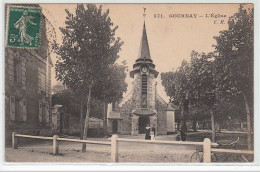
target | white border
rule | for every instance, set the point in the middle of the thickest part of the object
(4, 166)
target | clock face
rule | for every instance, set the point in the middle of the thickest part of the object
(144, 69)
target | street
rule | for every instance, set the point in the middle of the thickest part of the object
(128, 152)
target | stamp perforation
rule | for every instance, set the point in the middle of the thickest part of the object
(7, 14)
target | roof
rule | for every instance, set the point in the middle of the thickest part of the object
(144, 51)
(58, 106)
(144, 112)
(169, 108)
(114, 115)
(94, 119)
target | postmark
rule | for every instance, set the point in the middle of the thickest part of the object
(23, 27)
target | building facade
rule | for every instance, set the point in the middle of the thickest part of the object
(142, 106)
(28, 89)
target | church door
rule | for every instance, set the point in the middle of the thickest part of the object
(143, 121)
(114, 126)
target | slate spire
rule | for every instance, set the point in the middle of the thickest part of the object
(144, 51)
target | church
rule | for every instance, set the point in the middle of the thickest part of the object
(142, 106)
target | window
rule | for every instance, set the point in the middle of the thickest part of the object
(47, 113)
(144, 91)
(18, 109)
(40, 112)
(42, 79)
(44, 114)
(17, 71)
(113, 106)
(12, 108)
(43, 82)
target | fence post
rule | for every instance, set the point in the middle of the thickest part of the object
(14, 140)
(114, 148)
(206, 150)
(55, 145)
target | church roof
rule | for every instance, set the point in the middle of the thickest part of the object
(144, 52)
(169, 108)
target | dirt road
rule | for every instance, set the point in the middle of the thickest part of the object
(128, 152)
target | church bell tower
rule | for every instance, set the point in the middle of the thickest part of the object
(144, 91)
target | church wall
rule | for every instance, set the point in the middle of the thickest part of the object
(151, 92)
(136, 102)
(161, 117)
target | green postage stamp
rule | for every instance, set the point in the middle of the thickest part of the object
(24, 27)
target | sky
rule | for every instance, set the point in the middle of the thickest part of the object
(173, 31)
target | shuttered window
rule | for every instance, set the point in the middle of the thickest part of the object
(18, 71)
(18, 109)
(47, 113)
(41, 80)
(12, 108)
(24, 109)
(40, 112)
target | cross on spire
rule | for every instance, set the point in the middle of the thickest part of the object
(144, 12)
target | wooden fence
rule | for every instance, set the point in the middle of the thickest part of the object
(114, 140)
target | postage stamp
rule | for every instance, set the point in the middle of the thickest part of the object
(23, 27)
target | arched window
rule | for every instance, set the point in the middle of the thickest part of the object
(144, 91)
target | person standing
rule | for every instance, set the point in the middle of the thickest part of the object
(147, 133)
(153, 133)
(184, 132)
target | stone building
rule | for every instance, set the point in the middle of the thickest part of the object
(28, 89)
(142, 106)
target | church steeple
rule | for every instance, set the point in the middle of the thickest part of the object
(144, 51)
(144, 60)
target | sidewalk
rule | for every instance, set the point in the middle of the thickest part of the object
(226, 131)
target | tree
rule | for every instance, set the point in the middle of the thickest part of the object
(87, 53)
(68, 99)
(58, 88)
(197, 112)
(176, 84)
(112, 89)
(203, 84)
(234, 63)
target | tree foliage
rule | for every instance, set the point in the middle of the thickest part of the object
(234, 63)
(235, 49)
(87, 54)
(177, 87)
(218, 82)
(89, 48)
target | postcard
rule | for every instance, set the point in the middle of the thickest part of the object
(135, 83)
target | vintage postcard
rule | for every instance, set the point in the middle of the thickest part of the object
(169, 83)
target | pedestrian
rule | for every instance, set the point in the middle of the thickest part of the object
(178, 137)
(183, 132)
(153, 133)
(147, 133)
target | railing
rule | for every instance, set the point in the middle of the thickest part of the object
(207, 144)
(55, 140)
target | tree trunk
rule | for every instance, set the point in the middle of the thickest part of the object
(212, 125)
(184, 111)
(220, 127)
(81, 117)
(194, 125)
(105, 119)
(85, 133)
(241, 126)
(249, 136)
(178, 126)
